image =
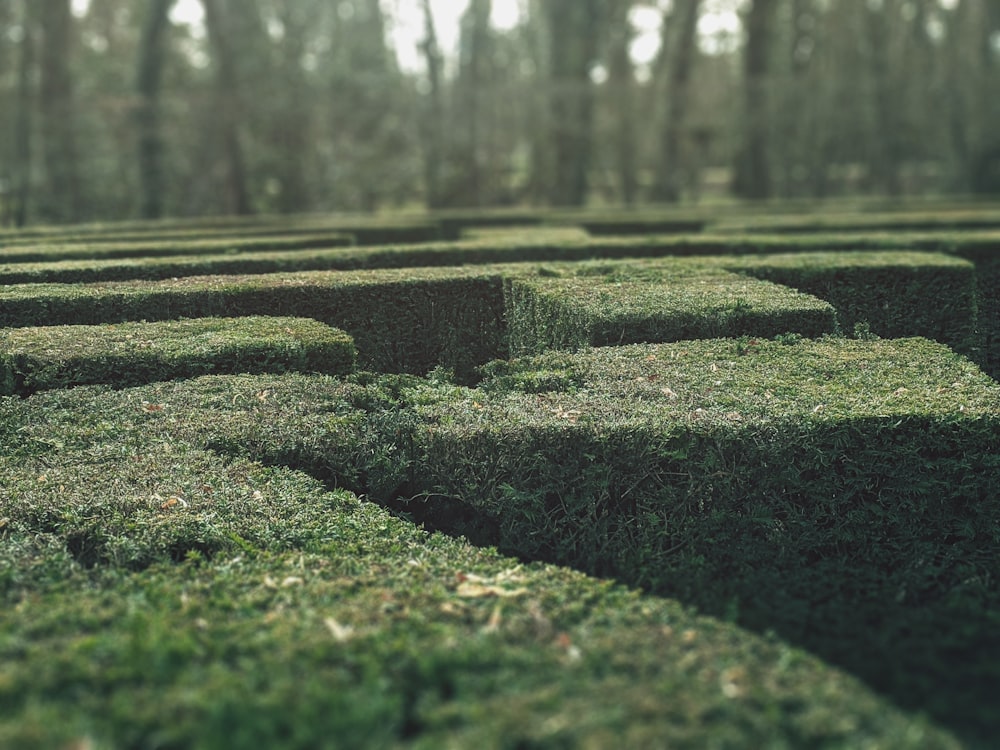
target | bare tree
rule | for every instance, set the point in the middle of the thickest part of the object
(291, 120)
(471, 92)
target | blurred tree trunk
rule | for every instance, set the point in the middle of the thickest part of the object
(472, 89)
(6, 157)
(573, 28)
(621, 83)
(680, 45)
(811, 83)
(752, 177)
(884, 156)
(291, 134)
(434, 112)
(63, 193)
(538, 127)
(148, 84)
(985, 159)
(21, 158)
(237, 197)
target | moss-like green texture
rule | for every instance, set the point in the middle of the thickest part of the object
(927, 219)
(842, 493)
(552, 310)
(184, 564)
(412, 320)
(126, 354)
(838, 493)
(47, 262)
(158, 594)
(401, 320)
(360, 230)
(892, 294)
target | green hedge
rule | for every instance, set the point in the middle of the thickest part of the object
(401, 320)
(128, 354)
(498, 247)
(606, 223)
(859, 454)
(572, 307)
(365, 231)
(154, 593)
(871, 221)
(48, 255)
(892, 294)
(414, 319)
(840, 493)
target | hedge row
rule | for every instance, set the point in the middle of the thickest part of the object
(887, 291)
(127, 354)
(850, 221)
(891, 294)
(46, 261)
(502, 247)
(158, 594)
(400, 320)
(146, 231)
(412, 320)
(840, 493)
(560, 309)
(363, 231)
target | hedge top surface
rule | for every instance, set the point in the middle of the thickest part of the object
(874, 260)
(235, 282)
(684, 292)
(976, 218)
(194, 244)
(180, 338)
(295, 617)
(165, 260)
(736, 381)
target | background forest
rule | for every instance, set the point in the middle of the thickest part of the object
(112, 109)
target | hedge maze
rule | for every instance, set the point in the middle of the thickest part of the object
(336, 483)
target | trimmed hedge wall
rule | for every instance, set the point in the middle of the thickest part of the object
(364, 231)
(156, 594)
(892, 294)
(48, 256)
(127, 354)
(411, 320)
(553, 310)
(888, 221)
(841, 493)
(799, 446)
(400, 320)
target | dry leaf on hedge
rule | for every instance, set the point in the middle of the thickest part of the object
(470, 590)
(340, 633)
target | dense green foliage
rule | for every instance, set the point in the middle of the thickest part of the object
(409, 320)
(213, 550)
(125, 354)
(572, 308)
(143, 577)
